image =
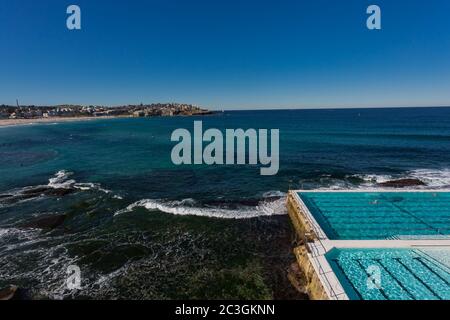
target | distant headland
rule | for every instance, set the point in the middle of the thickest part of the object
(14, 115)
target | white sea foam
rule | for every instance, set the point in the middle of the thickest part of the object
(374, 178)
(46, 265)
(274, 193)
(61, 181)
(15, 238)
(3, 232)
(433, 178)
(188, 207)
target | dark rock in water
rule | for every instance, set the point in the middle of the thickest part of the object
(402, 183)
(9, 199)
(34, 193)
(47, 191)
(47, 222)
(8, 293)
(59, 192)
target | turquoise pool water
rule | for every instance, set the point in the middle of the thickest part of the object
(380, 215)
(393, 274)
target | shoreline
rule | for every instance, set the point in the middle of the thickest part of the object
(21, 122)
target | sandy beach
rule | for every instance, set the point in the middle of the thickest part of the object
(18, 122)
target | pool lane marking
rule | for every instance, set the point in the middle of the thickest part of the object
(387, 203)
(336, 261)
(358, 261)
(434, 261)
(410, 214)
(417, 278)
(395, 278)
(319, 211)
(431, 270)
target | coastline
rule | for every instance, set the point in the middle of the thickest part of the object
(21, 122)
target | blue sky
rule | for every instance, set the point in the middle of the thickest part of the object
(226, 54)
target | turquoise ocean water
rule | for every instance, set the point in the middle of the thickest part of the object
(140, 227)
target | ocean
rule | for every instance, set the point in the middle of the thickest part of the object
(104, 195)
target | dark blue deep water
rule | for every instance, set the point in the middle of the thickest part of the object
(105, 196)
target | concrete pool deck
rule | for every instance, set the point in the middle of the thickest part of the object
(322, 282)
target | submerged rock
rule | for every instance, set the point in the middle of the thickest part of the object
(34, 193)
(48, 191)
(46, 222)
(402, 183)
(59, 192)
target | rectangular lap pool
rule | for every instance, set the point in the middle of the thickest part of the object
(392, 274)
(380, 215)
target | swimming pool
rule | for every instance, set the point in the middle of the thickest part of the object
(392, 274)
(380, 215)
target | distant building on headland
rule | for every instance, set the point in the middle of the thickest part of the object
(142, 110)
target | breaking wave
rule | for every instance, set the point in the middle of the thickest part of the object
(61, 180)
(433, 178)
(190, 207)
(274, 193)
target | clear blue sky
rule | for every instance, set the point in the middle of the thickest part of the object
(226, 54)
